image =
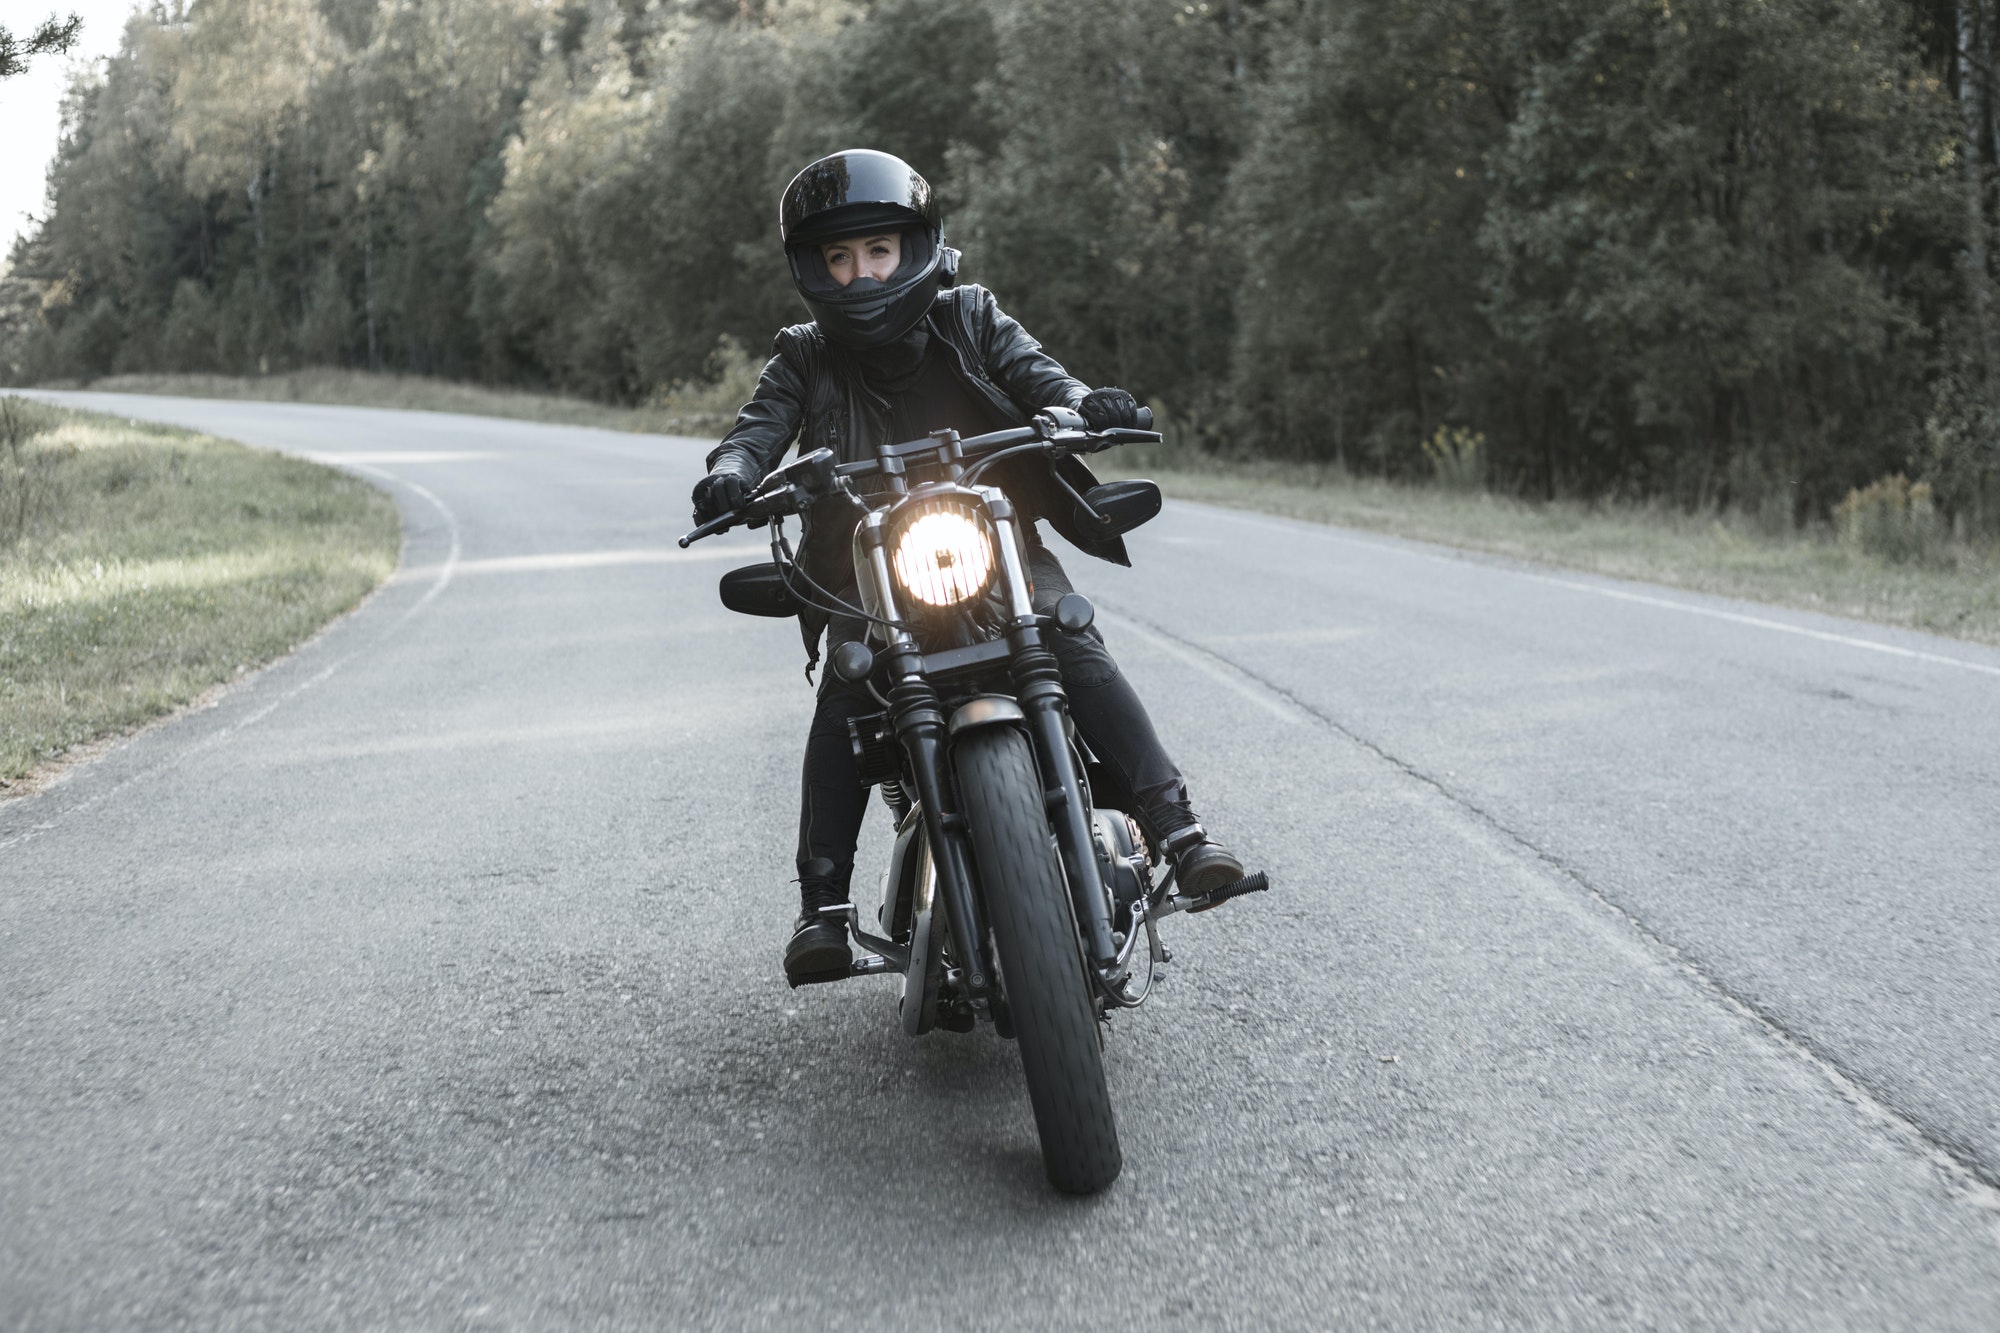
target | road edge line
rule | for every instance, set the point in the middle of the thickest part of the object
(1956, 1162)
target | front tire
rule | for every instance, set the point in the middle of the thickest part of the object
(1034, 933)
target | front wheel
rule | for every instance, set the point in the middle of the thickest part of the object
(1034, 934)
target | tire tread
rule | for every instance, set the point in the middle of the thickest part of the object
(1035, 933)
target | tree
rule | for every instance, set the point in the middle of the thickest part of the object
(1681, 247)
(1735, 252)
(54, 37)
(1093, 218)
(1358, 204)
(1703, 254)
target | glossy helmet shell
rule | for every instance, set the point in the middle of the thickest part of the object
(853, 193)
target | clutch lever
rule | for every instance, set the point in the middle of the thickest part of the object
(758, 510)
(720, 523)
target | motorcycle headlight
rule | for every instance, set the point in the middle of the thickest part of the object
(943, 555)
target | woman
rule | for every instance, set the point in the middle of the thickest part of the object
(895, 351)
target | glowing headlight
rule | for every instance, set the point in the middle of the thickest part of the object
(943, 557)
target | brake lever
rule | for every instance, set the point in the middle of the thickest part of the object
(1117, 435)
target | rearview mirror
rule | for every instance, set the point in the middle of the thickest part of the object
(1121, 506)
(756, 590)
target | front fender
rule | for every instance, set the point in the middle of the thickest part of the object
(985, 710)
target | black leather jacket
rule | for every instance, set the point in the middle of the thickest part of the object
(812, 391)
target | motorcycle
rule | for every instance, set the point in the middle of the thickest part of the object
(1010, 897)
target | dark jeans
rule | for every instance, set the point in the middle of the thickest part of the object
(1102, 702)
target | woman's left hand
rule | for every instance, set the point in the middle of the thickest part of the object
(1104, 409)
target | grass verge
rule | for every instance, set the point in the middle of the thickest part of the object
(141, 565)
(1956, 592)
(701, 409)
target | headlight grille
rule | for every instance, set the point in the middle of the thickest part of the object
(943, 553)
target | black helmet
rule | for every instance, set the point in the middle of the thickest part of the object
(853, 193)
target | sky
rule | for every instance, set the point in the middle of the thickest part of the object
(31, 103)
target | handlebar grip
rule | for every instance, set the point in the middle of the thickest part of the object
(1143, 420)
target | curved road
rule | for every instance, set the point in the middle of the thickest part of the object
(1634, 960)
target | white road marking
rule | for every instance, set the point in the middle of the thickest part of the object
(443, 573)
(552, 561)
(1620, 594)
(1759, 622)
(451, 556)
(1238, 682)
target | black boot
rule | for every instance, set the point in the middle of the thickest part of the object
(818, 949)
(1201, 865)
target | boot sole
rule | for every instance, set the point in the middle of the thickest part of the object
(818, 963)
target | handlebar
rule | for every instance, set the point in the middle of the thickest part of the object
(798, 484)
(762, 506)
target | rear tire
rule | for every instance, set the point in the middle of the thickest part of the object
(1034, 933)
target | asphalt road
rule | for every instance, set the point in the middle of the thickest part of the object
(1634, 958)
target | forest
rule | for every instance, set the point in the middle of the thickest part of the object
(1728, 253)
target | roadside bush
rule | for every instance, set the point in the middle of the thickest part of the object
(26, 475)
(187, 340)
(1961, 455)
(1457, 457)
(1892, 519)
(708, 405)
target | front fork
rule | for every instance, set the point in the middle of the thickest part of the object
(920, 727)
(1038, 688)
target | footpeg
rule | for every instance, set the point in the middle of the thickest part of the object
(887, 955)
(867, 965)
(1256, 883)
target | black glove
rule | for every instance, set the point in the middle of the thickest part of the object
(1103, 409)
(718, 493)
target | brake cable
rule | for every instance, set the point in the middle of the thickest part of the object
(782, 557)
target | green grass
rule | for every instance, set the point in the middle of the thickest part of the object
(1955, 592)
(142, 565)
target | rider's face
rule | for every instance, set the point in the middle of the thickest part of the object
(863, 257)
